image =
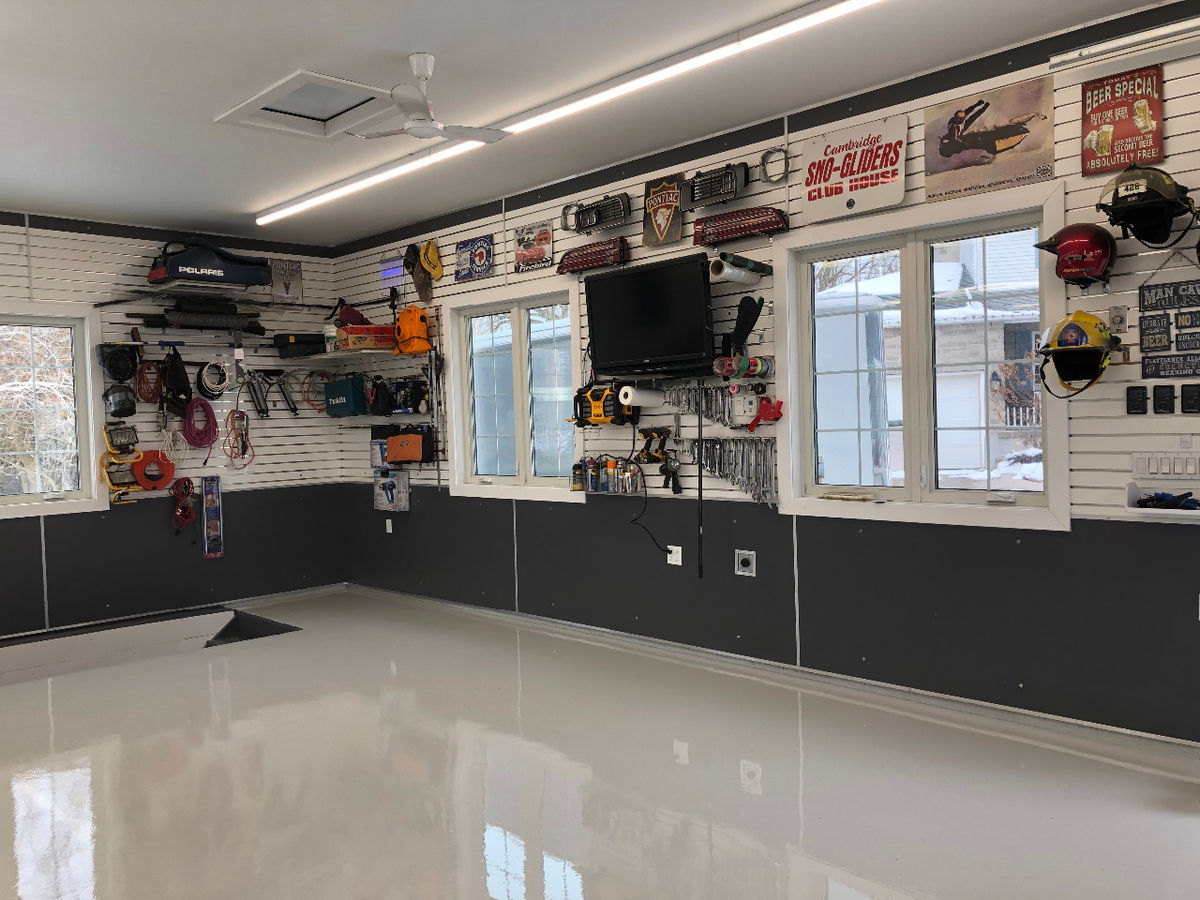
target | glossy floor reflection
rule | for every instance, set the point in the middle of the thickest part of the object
(391, 750)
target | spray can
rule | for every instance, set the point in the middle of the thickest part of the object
(610, 483)
(577, 477)
(593, 475)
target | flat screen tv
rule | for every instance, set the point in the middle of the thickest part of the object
(651, 320)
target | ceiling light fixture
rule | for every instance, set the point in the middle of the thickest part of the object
(738, 44)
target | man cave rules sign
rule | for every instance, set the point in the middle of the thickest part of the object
(473, 258)
(1122, 121)
(663, 222)
(854, 170)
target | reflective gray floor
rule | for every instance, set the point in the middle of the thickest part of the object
(401, 751)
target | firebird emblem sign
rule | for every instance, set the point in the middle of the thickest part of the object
(663, 222)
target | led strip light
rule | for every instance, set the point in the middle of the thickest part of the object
(803, 21)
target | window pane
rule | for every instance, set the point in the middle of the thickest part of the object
(961, 459)
(492, 426)
(837, 401)
(1016, 460)
(858, 366)
(550, 389)
(986, 312)
(39, 435)
(837, 458)
(882, 456)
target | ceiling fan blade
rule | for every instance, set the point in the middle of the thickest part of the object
(377, 134)
(466, 133)
(411, 101)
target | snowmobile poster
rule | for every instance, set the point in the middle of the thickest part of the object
(1122, 119)
(854, 170)
(534, 246)
(990, 141)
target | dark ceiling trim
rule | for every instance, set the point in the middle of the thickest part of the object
(441, 223)
(162, 236)
(664, 159)
(977, 70)
(961, 75)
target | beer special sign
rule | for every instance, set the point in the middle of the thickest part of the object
(1122, 121)
(854, 170)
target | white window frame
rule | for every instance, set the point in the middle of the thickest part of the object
(89, 412)
(458, 311)
(1041, 204)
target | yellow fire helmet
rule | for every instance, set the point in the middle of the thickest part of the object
(431, 260)
(1080, 346)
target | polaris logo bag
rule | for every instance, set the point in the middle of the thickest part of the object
(195, 259)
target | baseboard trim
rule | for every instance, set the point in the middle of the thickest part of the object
(1142, 751)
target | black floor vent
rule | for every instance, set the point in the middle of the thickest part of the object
(246, 627)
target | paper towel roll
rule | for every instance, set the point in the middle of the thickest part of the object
(644, 397)
(721, 271)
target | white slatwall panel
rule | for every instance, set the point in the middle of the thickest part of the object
(83, 269)
(1103, 437)
(359, 279)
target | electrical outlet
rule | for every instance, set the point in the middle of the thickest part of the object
(681, 752)
(674, 555)
(751, 777)
(745, 562)
(387, 524)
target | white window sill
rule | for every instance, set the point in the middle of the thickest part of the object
(518, 492)
(1033, 518)
(17, 509)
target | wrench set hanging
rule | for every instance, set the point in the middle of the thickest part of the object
(746, 463)
(714, 402)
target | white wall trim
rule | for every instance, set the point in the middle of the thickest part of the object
(454, 312)
(1048, 200)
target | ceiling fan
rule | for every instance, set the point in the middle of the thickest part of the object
(418, 113)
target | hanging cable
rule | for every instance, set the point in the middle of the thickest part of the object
(237, 444)
(175, 446)
(185, 510)
(149, 381)
(212, 380)
(196, 435)
(308, 388)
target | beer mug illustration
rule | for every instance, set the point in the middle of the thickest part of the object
(1105, 141)
(1092, 139)
(1142, 118)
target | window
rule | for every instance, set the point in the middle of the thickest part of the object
(515, 378)
(981, 299)
(45, 438)
(912, 365)
(857, 363)
(988, 410)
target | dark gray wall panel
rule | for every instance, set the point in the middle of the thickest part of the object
(586, 563)
(1098, 624)
(22, 606)
(128, 561)
(450, 548)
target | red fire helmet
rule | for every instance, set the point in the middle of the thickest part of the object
(1086, 254)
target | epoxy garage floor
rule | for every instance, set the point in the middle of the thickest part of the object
(403, 750)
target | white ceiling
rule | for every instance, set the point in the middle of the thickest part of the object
(108, 107)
